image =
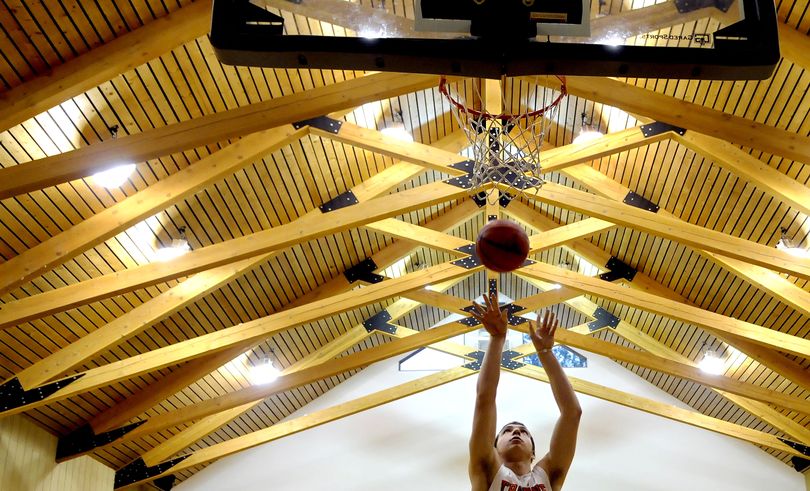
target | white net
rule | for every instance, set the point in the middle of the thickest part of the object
(505, 144)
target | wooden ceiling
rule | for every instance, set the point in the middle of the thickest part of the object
(217, 153)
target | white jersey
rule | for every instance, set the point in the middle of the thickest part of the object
(507, 480)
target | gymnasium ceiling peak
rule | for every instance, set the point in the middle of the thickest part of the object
(156, 354)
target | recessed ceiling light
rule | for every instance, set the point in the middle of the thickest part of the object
(115, 177)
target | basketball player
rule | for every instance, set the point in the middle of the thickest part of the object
(508, 465)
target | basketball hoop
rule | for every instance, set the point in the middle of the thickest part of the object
(505, 146)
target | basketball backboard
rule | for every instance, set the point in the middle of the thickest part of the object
(703, 39)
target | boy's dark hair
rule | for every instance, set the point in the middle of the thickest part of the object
(497, 435)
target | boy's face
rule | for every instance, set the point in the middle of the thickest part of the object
(514, 442)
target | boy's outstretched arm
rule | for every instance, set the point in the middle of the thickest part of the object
(483, 460)
(564, 439)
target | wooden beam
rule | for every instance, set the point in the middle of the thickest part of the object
(378, 142)
(141, 205)
(776, 285)
(207, 129)
(275, 239)
(642, 282)
(381, 183)
(256, 394)
(674, 310)
(691, 116)
(104, 62)
(745, 165)
(416, 234)
(139, 402)
(557, 158)
(146, 314)
(672, 228)
(255, 331)
(200, 429)
(141, 317)
(564, 234)
(794, 45)
(758, 409)
(318, 418)
(681, 370)
(674, 413)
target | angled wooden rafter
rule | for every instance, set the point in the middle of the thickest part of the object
(776, 285)
(252, 331)
(671, 367)
(762, 411)
(642, 282)
(674, 310)
(167, 192)
(693, 418)
(378, 142)
(782, 289)
(794, 45)
(321, 417)
(141, 317)
(672, 228)
(338, 345)
(157, 197)
(750, 168)
(280, 237)
(103, 63)
(379, 184)
(660, 107)
(207, 129)
(306, 375)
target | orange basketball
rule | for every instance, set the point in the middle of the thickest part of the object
(502, 246)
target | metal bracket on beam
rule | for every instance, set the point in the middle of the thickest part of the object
(12, 394)
(363, 271)
(603, 319)
(323, 123)
(381, 321)
(799, 463)
(511, 318)
(508, 360)
(640, 201)
(137, 471)
(342, 201)
(165, 483)
(658, 127)
(618, 269)
(804, 449)
(84, 439)
(478, 357)
(465, 181)
(505, 199)
(469, 262)
(480, 199)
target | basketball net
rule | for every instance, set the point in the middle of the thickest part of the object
(506, 135)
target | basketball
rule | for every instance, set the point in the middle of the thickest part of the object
(502, 246)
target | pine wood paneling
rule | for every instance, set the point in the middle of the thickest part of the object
(27, 462)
